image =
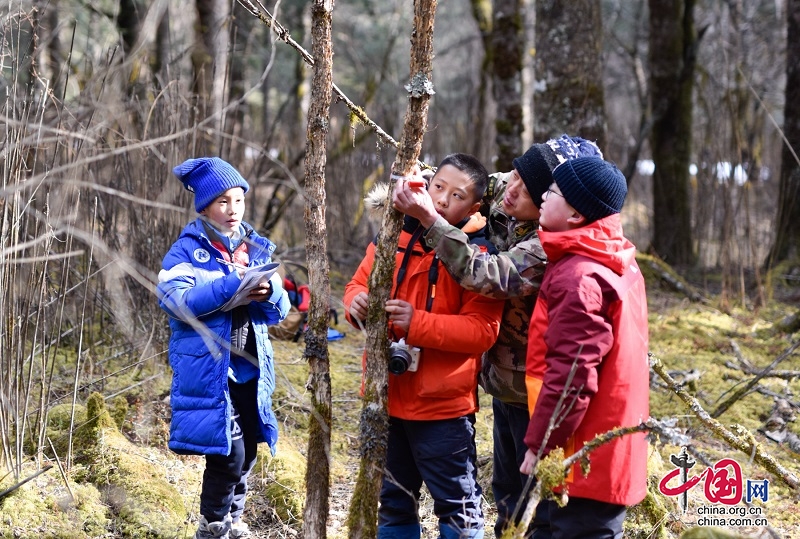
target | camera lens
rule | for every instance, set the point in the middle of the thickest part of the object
(399, 361)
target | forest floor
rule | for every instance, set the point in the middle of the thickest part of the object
(124, 482)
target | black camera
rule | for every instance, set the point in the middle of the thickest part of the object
(403, 357)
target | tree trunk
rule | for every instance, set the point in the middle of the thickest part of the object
(159, 65)
(362, 519)
(672, 61)
(209, 61)
(569, 94)
(507, 46)
(528, 72)
(49, 60)
(482, 13)
(315, 512)
(787, 229)
(242, 24)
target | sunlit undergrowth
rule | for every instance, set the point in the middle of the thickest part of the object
(120, 479)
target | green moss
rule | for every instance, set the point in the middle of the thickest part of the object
(647, 519)
(135, 489)
(551, 475)
(44, 507)
(119, 410)
(282, 480)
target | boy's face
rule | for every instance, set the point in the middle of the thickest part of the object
(227, 210)
(556, 213)
(517, 202)
(452, 193)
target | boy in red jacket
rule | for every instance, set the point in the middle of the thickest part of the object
(432, 399)
(591, 313)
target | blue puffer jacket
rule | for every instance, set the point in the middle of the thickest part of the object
(193, 287)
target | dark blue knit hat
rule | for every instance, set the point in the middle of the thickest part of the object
(207, 178)
(594, 187)
(536, 166)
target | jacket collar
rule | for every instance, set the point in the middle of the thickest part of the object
(601, 241)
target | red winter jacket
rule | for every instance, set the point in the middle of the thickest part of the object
(592, 311)
(453, 336)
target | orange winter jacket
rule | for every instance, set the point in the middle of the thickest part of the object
(452, 337)
(591, 316)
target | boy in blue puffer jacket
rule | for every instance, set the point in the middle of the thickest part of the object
(220, 353)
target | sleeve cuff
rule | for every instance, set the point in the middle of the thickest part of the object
(436, 231)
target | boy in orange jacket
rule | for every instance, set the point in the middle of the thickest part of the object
(441, 330)
(587, 368)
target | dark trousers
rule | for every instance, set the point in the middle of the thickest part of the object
(508, 484)
(441, 453)
(225, 477)
(581, 518)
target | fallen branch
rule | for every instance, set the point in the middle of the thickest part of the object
(675, 283)
(749, 369)
(742, 439)
(741, 392)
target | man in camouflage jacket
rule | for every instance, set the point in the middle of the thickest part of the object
(511, 210)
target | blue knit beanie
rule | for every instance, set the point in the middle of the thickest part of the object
(536, 166)
(594, 187)
(207, 178)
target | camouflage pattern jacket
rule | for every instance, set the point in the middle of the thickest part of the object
(514, 274)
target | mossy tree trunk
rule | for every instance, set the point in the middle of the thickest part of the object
(362, 520)
(787, 229)
(673, 44)
(315, 512)
(507, 42)
(568, 66)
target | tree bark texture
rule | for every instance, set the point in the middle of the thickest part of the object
(507, 47)
(159, 65)
(787, 229)
(362, 519)
(672, 61)
(568, 94)
(49, 56)
(209, 60)
(315, 512)
(241, 26)
(129, 22)
(482, 13)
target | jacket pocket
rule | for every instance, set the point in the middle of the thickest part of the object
(447, 377)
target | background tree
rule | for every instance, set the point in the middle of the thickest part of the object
(568, 96)
(315, 512)
(50, 57)
(362, 519)
(787, 224)
(508, 44)
(482, 13)
(209, 62)
(673, 46)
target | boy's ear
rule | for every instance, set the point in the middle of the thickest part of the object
(475, 207)
(576, 220)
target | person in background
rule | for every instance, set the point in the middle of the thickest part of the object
(442, 329)
(513, 272)
(587, 366)
(220, 353)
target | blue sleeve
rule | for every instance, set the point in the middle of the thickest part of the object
(277, 306)
(187, 290)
